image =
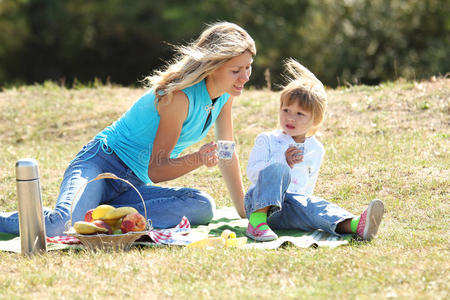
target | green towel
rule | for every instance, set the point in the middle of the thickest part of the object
(227, 218)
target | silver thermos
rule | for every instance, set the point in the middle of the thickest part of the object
(31, 218)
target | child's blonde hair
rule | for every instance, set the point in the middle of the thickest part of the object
(306, 90)
(217, 44)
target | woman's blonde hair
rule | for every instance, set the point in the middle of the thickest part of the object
(217, 44)
(306, 90)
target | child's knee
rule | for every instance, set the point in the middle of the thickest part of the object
(274, 174)
(278, 169)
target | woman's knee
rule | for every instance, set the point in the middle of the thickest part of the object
(205, 207)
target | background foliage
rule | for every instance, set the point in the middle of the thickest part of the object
(355, 41)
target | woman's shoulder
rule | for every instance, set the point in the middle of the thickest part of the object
(178, 102)
(179, 98)
(198, 88)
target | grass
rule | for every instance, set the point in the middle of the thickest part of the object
(389, 141)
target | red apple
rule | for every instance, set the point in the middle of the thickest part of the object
(133, 222)
(103, 224)
(88, 216)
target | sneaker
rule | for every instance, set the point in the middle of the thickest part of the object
(370, 220)
(260, 235)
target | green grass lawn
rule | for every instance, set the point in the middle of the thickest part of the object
(389, 141)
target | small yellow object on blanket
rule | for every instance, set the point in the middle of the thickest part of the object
(236, 242)
(228, 234)
(226, 239)
(216, 242)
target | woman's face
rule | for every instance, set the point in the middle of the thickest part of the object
(231, 76)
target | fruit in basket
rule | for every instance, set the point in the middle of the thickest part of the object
(111, 222)
(103, 224)
(83, 227)
(119, 212)
(88, 216)
(101, 210)
(114, 223)
(133, 222)
(117, 231)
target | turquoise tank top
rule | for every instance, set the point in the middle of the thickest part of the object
(131, 136)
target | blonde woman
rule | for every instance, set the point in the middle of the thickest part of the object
(143, 146)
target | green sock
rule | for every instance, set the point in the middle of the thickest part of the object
(354, 224)
(257, 218)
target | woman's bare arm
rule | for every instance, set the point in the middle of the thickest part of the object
(230, 169)
(161, 166)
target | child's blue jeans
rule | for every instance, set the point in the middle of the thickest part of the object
(288, 210)
(165, 206)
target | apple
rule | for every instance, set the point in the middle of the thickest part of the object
(88, 216)
(103, 224)
(133, 222)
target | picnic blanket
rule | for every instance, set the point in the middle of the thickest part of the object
(184, 234)
(227, 218)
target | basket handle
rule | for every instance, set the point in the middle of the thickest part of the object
(107, 176)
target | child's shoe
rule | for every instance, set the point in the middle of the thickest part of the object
(370, 220)
(260, 235)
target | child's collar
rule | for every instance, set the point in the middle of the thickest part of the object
(287, 137)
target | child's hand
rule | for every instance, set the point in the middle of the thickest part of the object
(293, 156)
(208, 154)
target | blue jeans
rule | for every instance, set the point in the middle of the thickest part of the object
(288, 210)
(165, 206)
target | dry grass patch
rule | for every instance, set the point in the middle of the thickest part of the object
(389, 141)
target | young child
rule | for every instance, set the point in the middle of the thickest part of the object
(284, 176)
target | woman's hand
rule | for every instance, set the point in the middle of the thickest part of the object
(208, 154)
(293, 156)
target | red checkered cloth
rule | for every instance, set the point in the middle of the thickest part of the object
(169, 236)
(63, 239)
(172, 236)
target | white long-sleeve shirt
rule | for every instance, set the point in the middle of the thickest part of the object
(270, 148)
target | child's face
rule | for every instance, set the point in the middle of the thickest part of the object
(295, 121)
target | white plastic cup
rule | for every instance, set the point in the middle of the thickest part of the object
(226, 149)
(299, 146)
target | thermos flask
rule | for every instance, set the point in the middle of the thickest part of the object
(31, 218)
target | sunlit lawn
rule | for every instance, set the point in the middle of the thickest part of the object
(389, 141)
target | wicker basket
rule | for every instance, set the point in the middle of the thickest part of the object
(107, 241)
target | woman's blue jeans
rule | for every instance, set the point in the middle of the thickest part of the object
(165, 206)
(288, 210)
